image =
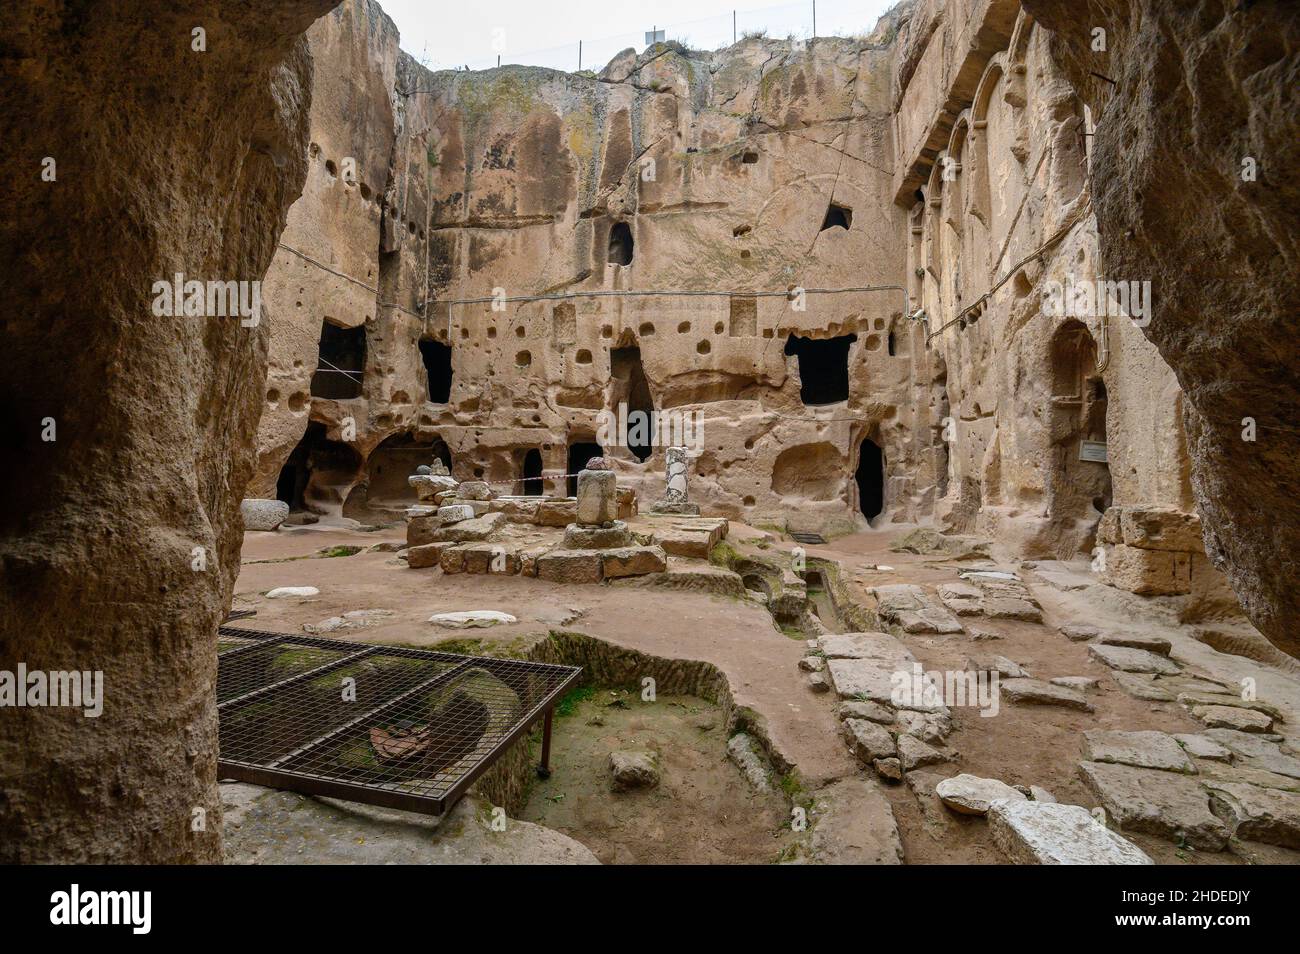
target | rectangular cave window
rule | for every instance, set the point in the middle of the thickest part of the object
(837, 215)
(437, 365)
(744, 316)
(342, 362)
(823, 367)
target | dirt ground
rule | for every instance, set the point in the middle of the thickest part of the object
(703, 811)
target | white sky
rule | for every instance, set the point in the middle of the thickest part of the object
(546, 32)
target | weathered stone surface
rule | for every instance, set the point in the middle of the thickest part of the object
(913, 753)
(999, 664)
(1167, 804)
(1142, 749)
(854, 825)
(812, 663)
(818, 682)
(1079, 632)
(597, 505)
(1044, 833)
(868, 740)
(633, 561)
(1202, 697)
(1257, 751)
(633, 769)
(455, 513)
(474, 490)
(263, 514)
(578, 537)
(694, 539)
(425, 555)
(1035, 692)
(871, 711)
(1078, 683)
(1160, 528)
(1132, 660)
(428, 486)
(932, 727)
(557, 513)
(1231, 717)
(748, 756)
(1142, 686)
(889, 770)
(1257, 814)
(1153, 644)
(464, 531)
(571, 566)
(972, 795)
(1203, 747)
(1148, 572)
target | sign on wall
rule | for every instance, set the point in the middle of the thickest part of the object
(1094, 451)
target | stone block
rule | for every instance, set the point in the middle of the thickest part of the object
(422, 530)
(1045, 833)
(425, 555)
(633, 561)
(557, 513)
(570, 566)
(263, 514)
(596, 497)
(480, 528)
(1161, 528)
(1148, 572)
(474, 490)
(578, 537)
(1168, 804)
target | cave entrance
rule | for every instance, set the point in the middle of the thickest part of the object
(393, 462)
(342, 362)
(871, 479)
(620, 244)
(823, 367)
(532, 474)
(317, 472)
(1078, 425)
(437, 367)
(633, 389)
(579, 453)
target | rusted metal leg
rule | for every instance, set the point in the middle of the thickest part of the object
(544, 769)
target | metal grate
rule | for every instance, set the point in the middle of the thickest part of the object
(402, 728)
(800, 536)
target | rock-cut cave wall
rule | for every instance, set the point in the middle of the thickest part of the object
(129, 437)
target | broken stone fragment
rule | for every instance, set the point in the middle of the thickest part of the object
(578, 537)
(1045, 833)
(1142, 749)
(1231, 717)
(428, 486)
(597, 502)
(1153, 644)
(871, 711)
(1035, 692)
(1133, 660)
(999, 664)
(464, 531)
(632, 561)
(571, 566)
(868, 740)
(425, 555)
(913, 753)
(891, 770)
(263, 514)
(818, 682)
(1078, 683)
(1260, 814)
(1203, 747)
(812, 663)
(288, 592)
(455, 513)
(1078, 632)
(633, 769)
(972, 795)
(471, 619)
(745, 752)
(474, 490)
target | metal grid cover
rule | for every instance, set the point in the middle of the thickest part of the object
(402, 728)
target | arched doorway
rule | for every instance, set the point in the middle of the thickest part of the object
(531, 484)
(870, 478)
(1081, 478)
